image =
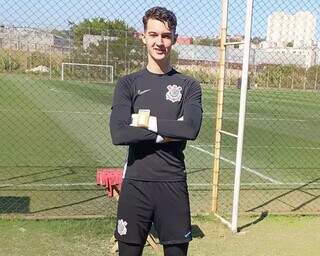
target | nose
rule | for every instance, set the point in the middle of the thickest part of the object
(159, 40)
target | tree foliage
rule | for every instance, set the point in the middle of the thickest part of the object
(119, 45)
(207, 41)
(99, 26)
(281, 76)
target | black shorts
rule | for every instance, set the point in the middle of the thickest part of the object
(165, 204)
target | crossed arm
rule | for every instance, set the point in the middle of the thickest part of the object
(122, 133)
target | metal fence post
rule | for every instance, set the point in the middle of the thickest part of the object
(219, 97)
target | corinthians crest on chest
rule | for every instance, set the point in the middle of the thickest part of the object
(174, 93)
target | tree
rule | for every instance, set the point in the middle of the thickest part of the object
(63, 33)
(119, 45)
(98, 26)
(290, 44)
(257, 40)
(281, 76)
(313, 77)
(207, 41)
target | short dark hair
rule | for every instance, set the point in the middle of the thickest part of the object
(162, 14)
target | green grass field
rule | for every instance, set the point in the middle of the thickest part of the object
(54, 134)
(274, 235)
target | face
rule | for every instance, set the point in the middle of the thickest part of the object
(158, 39)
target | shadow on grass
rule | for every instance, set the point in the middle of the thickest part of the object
(69, 172)
(197, 232)
(70, 204)
(197, 170)
(300, 189)
(14, 204)
(262, 216)
(34, 173)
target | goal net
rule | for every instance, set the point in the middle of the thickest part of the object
(87, 72)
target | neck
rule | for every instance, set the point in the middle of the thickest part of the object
(159, 67)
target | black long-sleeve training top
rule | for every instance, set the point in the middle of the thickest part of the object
(169, 97)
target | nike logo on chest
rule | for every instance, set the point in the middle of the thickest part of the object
(140, 92)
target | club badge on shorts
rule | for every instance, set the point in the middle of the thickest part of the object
(174, 93)
(122, 229)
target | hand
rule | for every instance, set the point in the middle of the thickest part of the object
(143, 118)
(140, 120)
(167, 139)
(143, 121)
(134, 120)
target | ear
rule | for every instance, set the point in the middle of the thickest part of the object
(143, 38)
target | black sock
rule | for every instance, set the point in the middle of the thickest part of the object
(176, 249)
(126, 249)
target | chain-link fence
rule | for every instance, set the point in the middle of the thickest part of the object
(59, 62)
(280, 167)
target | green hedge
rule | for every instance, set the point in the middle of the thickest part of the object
(288, 76)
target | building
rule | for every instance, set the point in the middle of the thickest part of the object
(184, 40)
(297, 31)
(200, 54)
(95, 39)
(30, 39)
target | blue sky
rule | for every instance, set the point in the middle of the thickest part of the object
(195, 17)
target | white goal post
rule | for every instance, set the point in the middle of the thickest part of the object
(233, 225)
(108, 70)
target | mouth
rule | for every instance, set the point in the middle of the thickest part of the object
(159, 51)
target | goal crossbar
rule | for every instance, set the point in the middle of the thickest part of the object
(63, 64)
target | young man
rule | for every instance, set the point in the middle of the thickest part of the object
(155, 111)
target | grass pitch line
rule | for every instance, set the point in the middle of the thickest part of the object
(262, 184)
(76, 112)
(275, 147)
(48, 184)
(58, 111)
(243, 167)
(253, 171)
(58, 91)
(76, 184)
(210, 115)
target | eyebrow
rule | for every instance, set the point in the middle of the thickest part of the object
(165, 33)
